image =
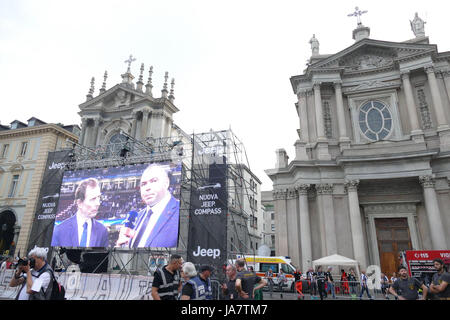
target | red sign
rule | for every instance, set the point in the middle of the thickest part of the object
(421, 262)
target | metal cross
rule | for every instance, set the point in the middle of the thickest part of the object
(129, 61)
(358, 13)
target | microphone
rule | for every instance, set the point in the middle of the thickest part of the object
(127, 231)
(131, 219)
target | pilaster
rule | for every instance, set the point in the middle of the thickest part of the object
(437, 231)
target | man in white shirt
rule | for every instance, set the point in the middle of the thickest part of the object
(156, 224)
(34, 276)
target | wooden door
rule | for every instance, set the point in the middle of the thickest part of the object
(393, 237)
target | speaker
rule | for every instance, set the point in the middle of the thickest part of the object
(94, 262)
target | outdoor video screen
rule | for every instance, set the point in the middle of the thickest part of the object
(134, 206)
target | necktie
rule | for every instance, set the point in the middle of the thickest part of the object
(84, 235)
(143, 227)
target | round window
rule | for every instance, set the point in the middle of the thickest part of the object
(375, 120)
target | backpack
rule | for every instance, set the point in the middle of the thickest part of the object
(54, 291)
(58, 291)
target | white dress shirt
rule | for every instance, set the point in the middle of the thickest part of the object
(80, 222)
(157, 210)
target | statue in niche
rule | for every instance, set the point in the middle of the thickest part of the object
(314, 45)
(418, 26)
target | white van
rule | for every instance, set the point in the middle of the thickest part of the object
(261, 264)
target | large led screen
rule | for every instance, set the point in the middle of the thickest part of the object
(134, 206)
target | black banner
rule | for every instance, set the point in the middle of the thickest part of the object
(207, 240)
(44, 218)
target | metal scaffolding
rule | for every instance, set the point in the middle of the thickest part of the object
(196, 152)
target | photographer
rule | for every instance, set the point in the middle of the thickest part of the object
(34, 276)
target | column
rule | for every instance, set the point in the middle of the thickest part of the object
(325, 195)
(144, 124)
(437, 231)
(319, 113)
(303, 115)
(293, 224)
(322, 144)
(281, 244)
(83, 130)
(411, 105)
(300, 145)
(356, 223)
(95, 134)
(305, 226)
(340, 112)
(446, 76)
(133, 124)
(436, 97)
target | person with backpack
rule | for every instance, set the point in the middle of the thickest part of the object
(35, 276)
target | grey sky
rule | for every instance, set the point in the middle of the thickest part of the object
(231, 60)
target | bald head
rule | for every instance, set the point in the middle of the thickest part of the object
(154, 184)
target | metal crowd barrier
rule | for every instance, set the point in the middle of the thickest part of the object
(345, 290)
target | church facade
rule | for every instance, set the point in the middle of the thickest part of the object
(371, 173)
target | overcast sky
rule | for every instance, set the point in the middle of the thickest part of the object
(231, 60)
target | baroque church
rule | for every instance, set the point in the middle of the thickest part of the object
(127, 108)
(371, 173)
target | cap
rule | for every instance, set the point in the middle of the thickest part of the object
(206, 268)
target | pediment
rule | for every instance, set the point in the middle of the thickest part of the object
(115, 97)
(371, 54)
(16, 167)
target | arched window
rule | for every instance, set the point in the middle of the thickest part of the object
(115, 144)
(375, 120)
(7, 222)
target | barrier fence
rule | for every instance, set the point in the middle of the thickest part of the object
(343, 290)
(88, 286)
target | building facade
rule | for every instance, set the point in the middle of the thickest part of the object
(246, 215)
(371, 173)
(23, 155)
(269, 227)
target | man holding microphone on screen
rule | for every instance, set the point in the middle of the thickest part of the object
(82, 230)
(157, 224)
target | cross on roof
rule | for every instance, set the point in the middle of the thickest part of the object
(358, 13)
(129, 61)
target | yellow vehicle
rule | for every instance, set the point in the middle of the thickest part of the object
(261, 264)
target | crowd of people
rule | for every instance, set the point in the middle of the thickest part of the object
(180, 280)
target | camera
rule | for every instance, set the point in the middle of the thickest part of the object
(25, 262)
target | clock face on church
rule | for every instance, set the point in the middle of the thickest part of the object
(375, 120)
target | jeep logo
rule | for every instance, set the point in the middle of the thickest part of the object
(215, 253)
(60, 165)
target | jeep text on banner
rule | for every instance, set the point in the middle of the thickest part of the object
(207, 240)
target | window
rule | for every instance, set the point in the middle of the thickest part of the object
(423, 108)
(13, 188)
(375, 120)
(272, 216)
(287, 269)
(327, 119)
(5, 150)
(263, 267)
(23, 149)
(273, 227)
(116, 143)
(273, 240)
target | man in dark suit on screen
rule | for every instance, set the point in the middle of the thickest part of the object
(156, 224)
(82, 230)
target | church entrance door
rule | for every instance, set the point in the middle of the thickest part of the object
(393, 236)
